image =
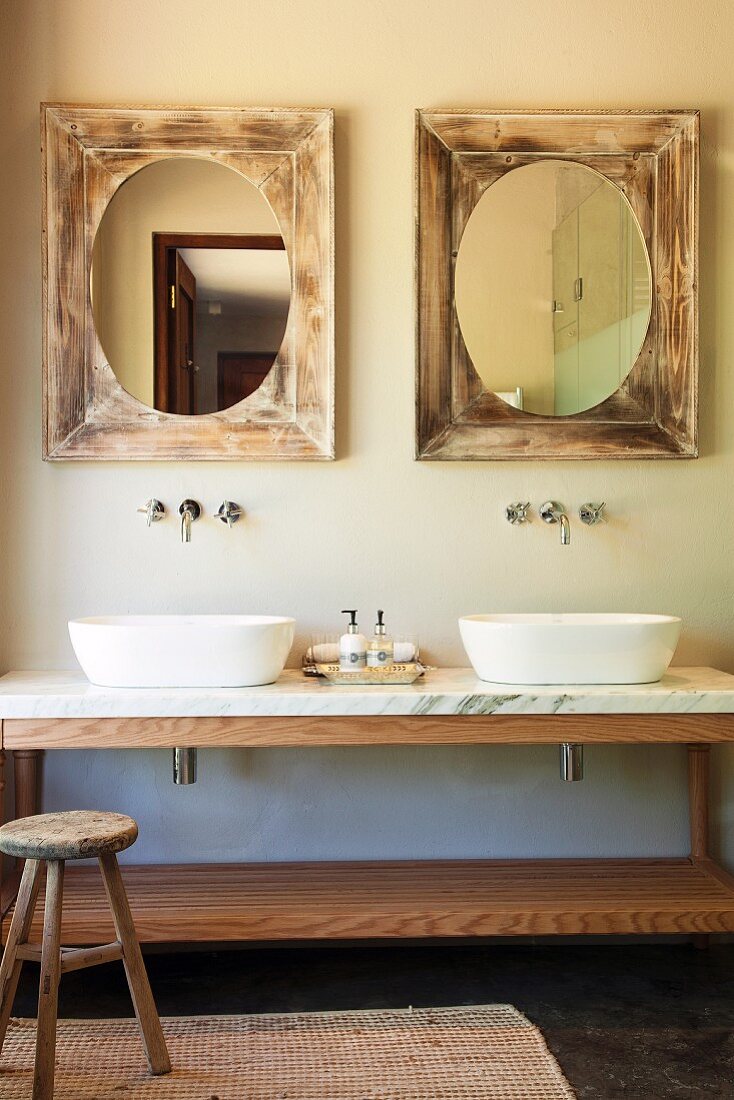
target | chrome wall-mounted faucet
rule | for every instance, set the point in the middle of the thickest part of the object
(153, 510)
(553, 512)
(189, 511)
(517, 512)
(591, 514)
(229, 512)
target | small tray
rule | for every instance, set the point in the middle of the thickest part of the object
(391, 674)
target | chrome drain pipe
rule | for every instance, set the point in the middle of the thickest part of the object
(184, 766)
(572, 762)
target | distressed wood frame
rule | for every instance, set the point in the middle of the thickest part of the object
(652, 157)
(87, 153)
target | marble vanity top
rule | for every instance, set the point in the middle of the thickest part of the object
(441, 691)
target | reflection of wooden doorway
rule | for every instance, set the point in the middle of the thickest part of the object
(174, 308)
(240, 373)
(181, 369)
(174, 382)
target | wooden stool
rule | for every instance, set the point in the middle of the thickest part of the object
(46, 841)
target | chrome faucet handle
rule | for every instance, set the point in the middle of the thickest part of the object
(153, 510)
(517, 512)
(591, 513)
(189, 511)
(229, 512)
(553, 512)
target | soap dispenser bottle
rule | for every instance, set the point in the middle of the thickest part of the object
(352, 646)
(380, 649)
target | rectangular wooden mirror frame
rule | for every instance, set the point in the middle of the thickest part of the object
(652, 156)
(87, 153)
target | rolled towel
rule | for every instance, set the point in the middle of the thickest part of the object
(325, 654)
(404, 653)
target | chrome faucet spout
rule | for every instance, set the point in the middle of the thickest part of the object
(189, 511)
(553, 512)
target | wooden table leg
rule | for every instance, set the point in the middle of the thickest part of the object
(26, 773)
(26, 767)
(699, 757)
(26, 764)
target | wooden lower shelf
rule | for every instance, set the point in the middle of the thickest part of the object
(274, 901)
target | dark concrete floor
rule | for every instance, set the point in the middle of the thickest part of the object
(644, 1022)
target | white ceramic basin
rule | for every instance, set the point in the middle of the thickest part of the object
(182, 650)
(570, 649)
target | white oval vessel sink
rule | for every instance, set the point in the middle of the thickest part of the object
(570, 649)
(182, 650)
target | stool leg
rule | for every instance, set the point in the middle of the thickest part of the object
(48, 992)
(20, 926)
(137, 978)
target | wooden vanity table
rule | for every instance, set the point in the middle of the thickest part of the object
(271, 901)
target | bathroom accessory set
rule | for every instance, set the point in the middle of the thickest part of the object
(356, 660)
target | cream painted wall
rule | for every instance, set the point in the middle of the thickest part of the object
(427, 541)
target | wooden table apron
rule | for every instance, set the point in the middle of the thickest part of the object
(366, 899)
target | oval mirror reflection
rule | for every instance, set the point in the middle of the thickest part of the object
(190, 286)
(553, 288)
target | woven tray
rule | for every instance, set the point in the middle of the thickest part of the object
(366, 677)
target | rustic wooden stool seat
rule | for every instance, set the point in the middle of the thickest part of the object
(45, 842)
(80, 834)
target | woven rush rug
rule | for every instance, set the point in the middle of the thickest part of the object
(485, 1052)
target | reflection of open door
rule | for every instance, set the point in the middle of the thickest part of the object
(242, 303)
(240, 373)
(175, 371)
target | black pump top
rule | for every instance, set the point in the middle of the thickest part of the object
(353, 616)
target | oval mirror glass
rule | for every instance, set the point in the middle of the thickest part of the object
(190, 286)
(553, 288)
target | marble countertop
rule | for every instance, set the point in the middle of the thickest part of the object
(440, 691)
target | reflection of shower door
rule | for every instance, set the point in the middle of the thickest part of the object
(566, 315)
(175, 372)
(600, 310)
(589, 275)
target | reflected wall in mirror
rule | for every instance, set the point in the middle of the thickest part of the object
(190, 286)
(188, 282)
(556, 284)
(552, 288)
